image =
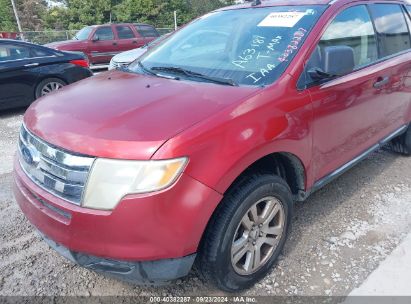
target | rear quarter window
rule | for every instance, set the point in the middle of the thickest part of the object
(391, 27)
(147, 31)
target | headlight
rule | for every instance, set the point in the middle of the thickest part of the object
(110, 180)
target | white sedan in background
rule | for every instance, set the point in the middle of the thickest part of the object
(125, 58)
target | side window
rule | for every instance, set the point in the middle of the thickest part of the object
(147, 31)
(37, 52)
(351, 28)
(391, 27)
(124, 32)
(13, 52)
(104, 33)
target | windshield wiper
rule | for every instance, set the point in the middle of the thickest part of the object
(124, 68)
(178, 70)
(141, 65)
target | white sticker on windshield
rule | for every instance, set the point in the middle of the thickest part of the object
(282, 19)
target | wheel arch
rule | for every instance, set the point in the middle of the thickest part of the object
(48, 76)
(286, 165)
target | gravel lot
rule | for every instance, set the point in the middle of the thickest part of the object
(339, 236)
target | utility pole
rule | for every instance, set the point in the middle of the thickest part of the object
(175, 20)
(17, 19)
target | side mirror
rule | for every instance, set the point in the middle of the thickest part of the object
(339, 60)
(95, 38)
(336, 61)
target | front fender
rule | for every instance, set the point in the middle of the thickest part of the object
(278, 119)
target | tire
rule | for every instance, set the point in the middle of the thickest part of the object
(217, 255)
(52, 84)
(402, 143)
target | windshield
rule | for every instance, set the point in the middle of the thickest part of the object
(157, 41)
(83, 33)
(246, 46)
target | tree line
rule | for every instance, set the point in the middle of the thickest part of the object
(38, 15)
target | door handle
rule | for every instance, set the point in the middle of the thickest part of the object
(114, 43)
(134, 41)
(381, 81)
(31, 65)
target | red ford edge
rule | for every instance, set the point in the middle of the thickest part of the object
(196, 153)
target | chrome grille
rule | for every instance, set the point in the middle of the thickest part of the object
(59, 172)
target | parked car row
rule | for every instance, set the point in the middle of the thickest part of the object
(101, 42)
(29, 71)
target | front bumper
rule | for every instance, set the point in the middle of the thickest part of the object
(167, 225)
(146, 273)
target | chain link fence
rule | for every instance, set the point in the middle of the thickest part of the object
(44, 37)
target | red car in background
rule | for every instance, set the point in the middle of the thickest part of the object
(101, 42)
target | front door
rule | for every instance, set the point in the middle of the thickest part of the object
(103, 45)
(348, 115)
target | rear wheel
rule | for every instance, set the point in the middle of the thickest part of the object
(48, 85)
(402, 143)
(247, 233)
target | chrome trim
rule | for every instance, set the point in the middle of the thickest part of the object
(61, 173)
(31, 58)
(105, 54)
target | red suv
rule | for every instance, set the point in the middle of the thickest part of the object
(197, 152)
(101, 42)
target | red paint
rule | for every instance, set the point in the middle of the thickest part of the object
(221, 129)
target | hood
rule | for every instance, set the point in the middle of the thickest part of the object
(62, 44)
(125, 115)
(129, 56)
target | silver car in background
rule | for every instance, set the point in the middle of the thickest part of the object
(125, 58)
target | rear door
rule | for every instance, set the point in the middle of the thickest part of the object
(126, 38)
(148, 32)
(394, 48)
(103, 45)
(18, 76)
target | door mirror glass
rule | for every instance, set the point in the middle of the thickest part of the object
(338, 60)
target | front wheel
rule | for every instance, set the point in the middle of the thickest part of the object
(247, 233)
(48, 85)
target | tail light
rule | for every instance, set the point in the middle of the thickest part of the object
(81, 62)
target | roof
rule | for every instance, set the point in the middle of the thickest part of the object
(267, 3)
(122, 23)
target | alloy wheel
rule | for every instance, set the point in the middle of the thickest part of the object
(50, 87)
(257, 236)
